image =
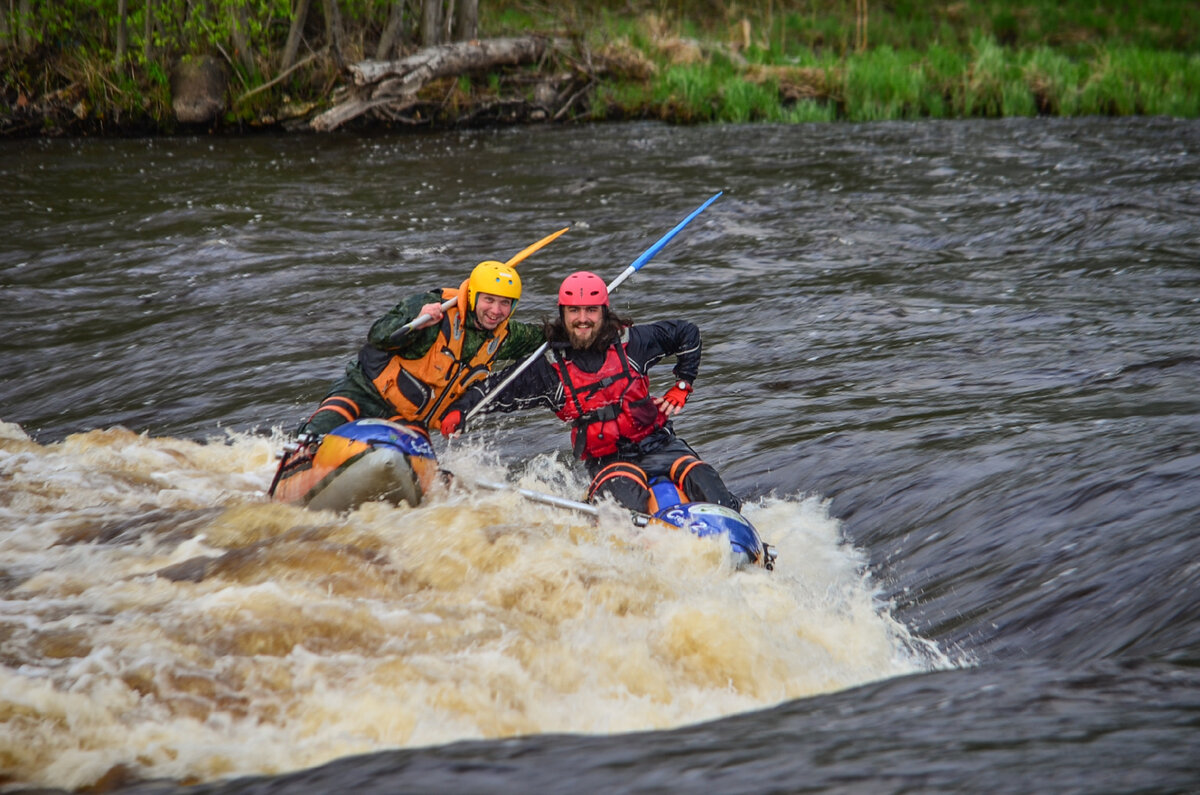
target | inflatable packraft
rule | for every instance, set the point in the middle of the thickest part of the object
(362, 461)
(379, 460)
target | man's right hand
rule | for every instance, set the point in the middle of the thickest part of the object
(451, 423)
(433, 310)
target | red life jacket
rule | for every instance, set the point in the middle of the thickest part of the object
(607, 407)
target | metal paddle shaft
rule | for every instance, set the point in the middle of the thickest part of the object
(639, 519)
(537, 496)
(420, 321)
(423, 320)
(614, 284)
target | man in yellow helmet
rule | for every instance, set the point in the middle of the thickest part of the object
(413, 375)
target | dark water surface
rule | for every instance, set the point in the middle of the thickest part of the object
(963, 358)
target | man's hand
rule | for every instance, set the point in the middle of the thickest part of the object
(433, 310)
(672, 402)
(451, 424)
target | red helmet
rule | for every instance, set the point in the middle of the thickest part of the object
(583, 288)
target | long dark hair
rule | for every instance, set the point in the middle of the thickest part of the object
(610, 329)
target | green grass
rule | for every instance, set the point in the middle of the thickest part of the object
(985, 80)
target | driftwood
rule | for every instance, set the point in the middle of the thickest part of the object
(388, 88)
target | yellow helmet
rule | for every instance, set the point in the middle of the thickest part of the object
(495, 278)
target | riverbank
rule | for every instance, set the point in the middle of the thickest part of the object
(770, 65)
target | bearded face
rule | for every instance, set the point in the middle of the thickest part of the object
(582, 324)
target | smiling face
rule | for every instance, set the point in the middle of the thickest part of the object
(492, 310)
(582, 324)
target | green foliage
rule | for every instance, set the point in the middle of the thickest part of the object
(512, 19)
(884, 84)
(807, 111)
(980, 58)
(157, 75)
(1134, 81)
(944, 71)
(622, 101)
(990, 80)
(1005, 28)
(742, 101)
(1053, 78)
(177, 26)
(689, 94)
(818, 32)
(829, 25)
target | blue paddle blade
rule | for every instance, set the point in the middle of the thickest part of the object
(649, 253)
(662, 241)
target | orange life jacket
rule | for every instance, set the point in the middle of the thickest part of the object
(421, 389)
(607, 407)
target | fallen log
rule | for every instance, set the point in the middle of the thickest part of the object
(392, 86)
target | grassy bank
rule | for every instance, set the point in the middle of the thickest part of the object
(982, 80)
(71, 67)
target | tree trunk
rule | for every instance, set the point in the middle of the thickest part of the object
(467, 20)
(148, 32)
(241, 43)
(24, 24)
(387, 42)
(122, 29)
(392, 86)
(333, 30)
(431, 22)
(295, 34)
(860, 27)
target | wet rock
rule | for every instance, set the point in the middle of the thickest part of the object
(198, 88)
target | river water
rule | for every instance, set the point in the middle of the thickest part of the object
(952, 367)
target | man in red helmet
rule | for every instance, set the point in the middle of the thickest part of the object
(594, 376)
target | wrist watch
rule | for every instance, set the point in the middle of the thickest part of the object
(684, 385)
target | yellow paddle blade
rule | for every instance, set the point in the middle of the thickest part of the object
(531, 249)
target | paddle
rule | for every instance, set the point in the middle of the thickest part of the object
(625, 274)
(537, 496)
(423, 320)
(639, 519)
